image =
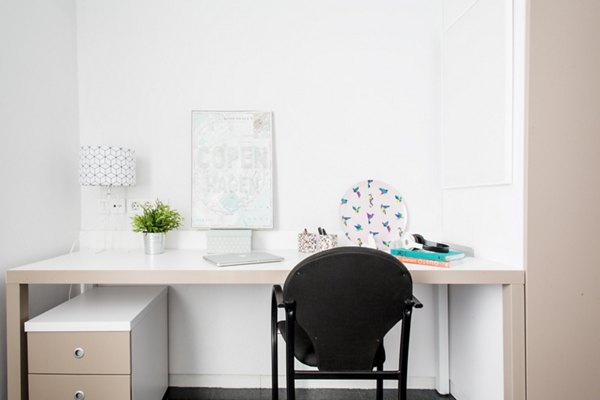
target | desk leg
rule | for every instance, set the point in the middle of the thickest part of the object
(17, 312)
(442, 382)
(513, 298)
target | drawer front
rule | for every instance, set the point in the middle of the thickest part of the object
(79, 387)
(79, 352)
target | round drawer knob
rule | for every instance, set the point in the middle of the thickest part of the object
(79, 395)
(79, 353)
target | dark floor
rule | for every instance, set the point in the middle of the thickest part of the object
(301, 394)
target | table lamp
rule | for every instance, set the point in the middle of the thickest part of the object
(106, 166)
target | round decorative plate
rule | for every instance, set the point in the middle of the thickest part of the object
(373, 208)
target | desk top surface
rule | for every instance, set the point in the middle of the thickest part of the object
(175, 266)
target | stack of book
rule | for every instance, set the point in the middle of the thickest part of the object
(428, 258)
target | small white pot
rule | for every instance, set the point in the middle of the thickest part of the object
(154, 243)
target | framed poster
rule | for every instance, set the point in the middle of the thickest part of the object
(232, 173)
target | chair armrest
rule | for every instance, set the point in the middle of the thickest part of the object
(415, 302)
(278, 296)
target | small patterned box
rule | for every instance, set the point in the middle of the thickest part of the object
(327, 242)
(307, 242)
(228, 241)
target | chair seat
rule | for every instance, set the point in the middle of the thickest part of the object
(304, 351)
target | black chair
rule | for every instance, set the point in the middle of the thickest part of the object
(339, 304)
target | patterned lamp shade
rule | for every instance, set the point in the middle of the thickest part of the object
(106, 166)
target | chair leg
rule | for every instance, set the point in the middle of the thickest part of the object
(402, 389)
(379, 395)
(291, 387)
(289, 354)
(274, 358)
(274, 378)
(404, 339)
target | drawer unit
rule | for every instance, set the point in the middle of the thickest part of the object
(79, 353)
(108, 343)
(79, 387)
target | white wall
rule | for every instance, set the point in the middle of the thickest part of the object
(220, 337)
(354, 88)
(475, 327)
(487, 216)
(354, 91)
(39, 141)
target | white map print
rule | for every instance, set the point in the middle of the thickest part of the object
(232, 179)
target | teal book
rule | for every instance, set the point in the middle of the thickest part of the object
(452, 255)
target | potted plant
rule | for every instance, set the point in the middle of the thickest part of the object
(155, 221)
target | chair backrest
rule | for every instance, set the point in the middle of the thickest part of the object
(347, 299)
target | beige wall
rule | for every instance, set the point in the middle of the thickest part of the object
(563, 201)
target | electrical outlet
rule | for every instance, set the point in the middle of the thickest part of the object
(111, 206)
(134, 206)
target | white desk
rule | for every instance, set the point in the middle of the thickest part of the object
(183, 267)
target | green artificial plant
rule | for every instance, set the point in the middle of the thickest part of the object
(156, 218)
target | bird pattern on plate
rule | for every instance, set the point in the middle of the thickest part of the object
(374, 208)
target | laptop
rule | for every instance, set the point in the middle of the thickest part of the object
(254, 257)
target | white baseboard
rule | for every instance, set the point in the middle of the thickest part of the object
(264, 382)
